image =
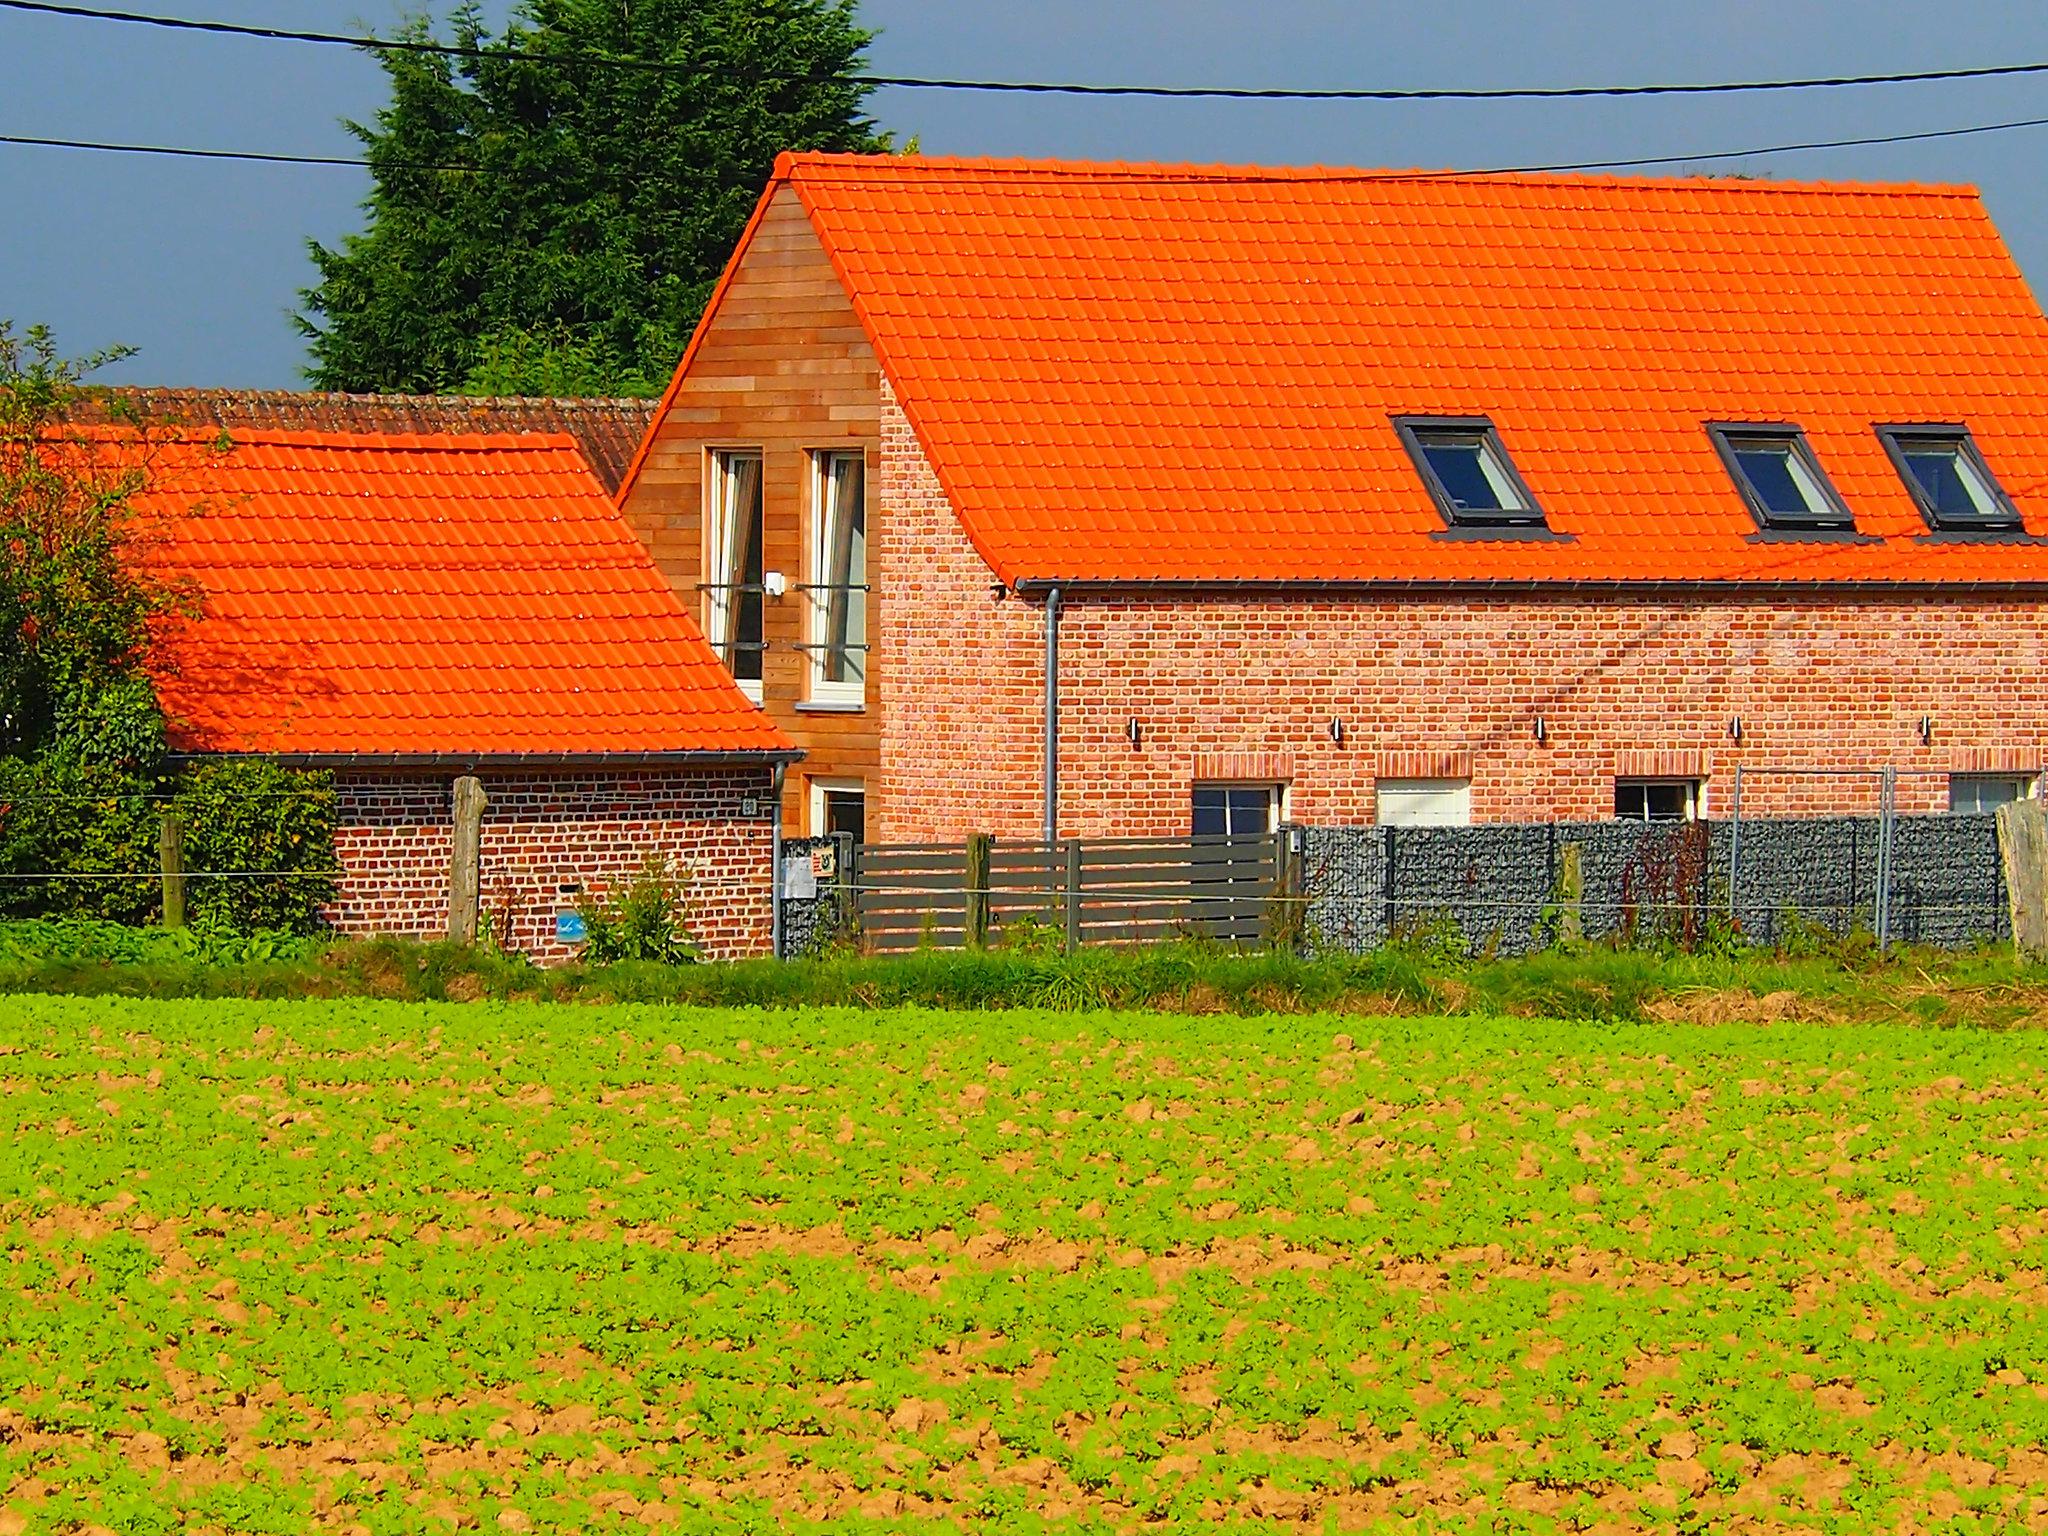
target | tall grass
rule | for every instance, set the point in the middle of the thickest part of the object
(1981, 988)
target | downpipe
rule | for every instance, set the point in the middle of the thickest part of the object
(775, 941)
(1052, 715)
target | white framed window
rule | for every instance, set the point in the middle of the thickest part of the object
(733, 589)
(1656, 799)
(836, 638)
(1236, 810)
(1423, 802)
(1979, 794)
(839, 805)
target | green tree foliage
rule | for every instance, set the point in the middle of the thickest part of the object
(78, 596)
(603, 201)
(83, 771)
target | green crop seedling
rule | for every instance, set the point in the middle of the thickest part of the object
(287, 1266)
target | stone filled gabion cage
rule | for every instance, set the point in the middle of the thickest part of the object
(1934, 880)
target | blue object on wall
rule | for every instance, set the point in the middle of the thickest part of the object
(569, 928)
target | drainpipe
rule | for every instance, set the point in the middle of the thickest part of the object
(1052, 714)
(775, 862)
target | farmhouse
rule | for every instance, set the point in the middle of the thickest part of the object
(407, 610)
(1140, 500)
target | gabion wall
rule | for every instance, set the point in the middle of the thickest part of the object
(1499, 889)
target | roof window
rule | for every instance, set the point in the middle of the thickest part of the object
(1468, 472)
(1781, 479)
(1949, 479)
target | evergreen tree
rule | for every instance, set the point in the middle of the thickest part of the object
(603, 201)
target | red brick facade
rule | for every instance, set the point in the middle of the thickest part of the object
(595, 829)
(1245, 686)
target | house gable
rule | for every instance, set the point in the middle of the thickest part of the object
(779, 364)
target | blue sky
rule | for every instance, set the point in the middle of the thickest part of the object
(199, 264)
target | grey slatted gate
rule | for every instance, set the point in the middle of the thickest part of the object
(1103, 891)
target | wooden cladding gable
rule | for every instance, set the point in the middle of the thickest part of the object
(783, 366)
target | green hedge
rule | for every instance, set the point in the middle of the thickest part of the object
(80, 840)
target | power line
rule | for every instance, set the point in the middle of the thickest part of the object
(1037, 87)
(991, 173)
(260, 156)
(1769, 149)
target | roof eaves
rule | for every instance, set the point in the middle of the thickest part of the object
(1554, 585)
(734, 757)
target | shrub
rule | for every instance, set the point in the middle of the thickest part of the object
(69, 832)
(277, 824)
(642, 922)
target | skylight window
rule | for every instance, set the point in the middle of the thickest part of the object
(1779, 477)
(1468, 472)
(1949, 479)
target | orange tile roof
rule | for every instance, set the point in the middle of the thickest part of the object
(426, 595)
(1187, 374)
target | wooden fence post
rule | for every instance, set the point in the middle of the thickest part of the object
(1571, 893)
(976, 924)
(2023, 848)
(1286, 924)
(170, 847)
(1073, 897)
(466, 851)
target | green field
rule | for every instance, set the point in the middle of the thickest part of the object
(278, 1266)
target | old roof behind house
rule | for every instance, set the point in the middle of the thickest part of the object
(405, 595)
(607, 431)
(1169, 373)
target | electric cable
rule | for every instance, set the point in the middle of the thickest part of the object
(1039, 87)
(997, 173)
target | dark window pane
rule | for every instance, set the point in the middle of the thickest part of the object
(1941, 478)
(1249, 808)
(1769, 471)
(1638, 800)
(1664, 802)
(846, 811)
(1464, 477)
(1232, 810)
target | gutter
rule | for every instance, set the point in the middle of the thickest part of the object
(1545, 586)
(776, 757)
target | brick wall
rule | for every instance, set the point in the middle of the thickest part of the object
(543, 830)
(962, 680)
(1245, 686)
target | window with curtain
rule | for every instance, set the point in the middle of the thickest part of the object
(839, 564)
(733, 591)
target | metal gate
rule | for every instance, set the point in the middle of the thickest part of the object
(1236, 890)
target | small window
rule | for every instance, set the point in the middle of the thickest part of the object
(1779, 477)
(1949, 479)
(1236, 810)
(838, 640)
(1979, 794)
(733, 610)
(839, 805)
(1656, 799)
(1423, 802)
(1468, 473)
